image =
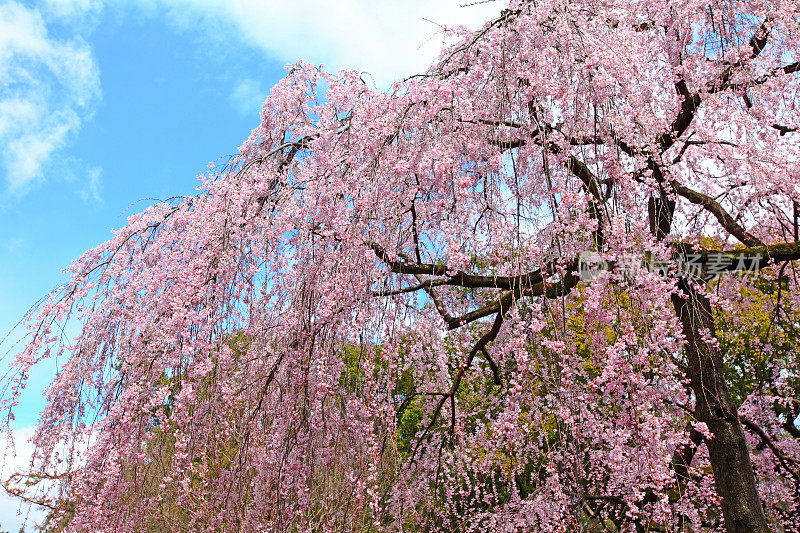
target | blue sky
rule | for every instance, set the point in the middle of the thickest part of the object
(107, 106)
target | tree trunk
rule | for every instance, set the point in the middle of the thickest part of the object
(728, 451)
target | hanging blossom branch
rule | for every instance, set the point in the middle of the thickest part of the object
(242, 362)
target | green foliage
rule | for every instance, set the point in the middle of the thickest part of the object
(761, 332)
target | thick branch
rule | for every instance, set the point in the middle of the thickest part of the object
(459, 278)
(752, 259)
(579, 169)
(541, 288)
(685, 116)
(714, 207)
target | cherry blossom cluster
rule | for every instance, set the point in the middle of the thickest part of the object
(373, 317)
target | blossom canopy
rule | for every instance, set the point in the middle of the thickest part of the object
(377, 315)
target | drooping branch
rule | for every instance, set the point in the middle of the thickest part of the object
(691, 100)
(719, 212)
(790, 68)
(500, 309)
(480, 347)
(784, 459)
(423, 285)
(541, 288)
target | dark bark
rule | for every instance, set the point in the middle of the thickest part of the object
(730, 457)
(728, 452)
(660, 211)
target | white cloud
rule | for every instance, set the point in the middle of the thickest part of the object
(48, 86)
(14, 245)
(91, 193)
(388, 39)
(247, 97)
(13, 512)
(71, 9)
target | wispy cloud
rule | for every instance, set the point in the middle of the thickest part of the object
(387, 39)
(91, 193)
(73, 9)
(247, 96)
(48, 86)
